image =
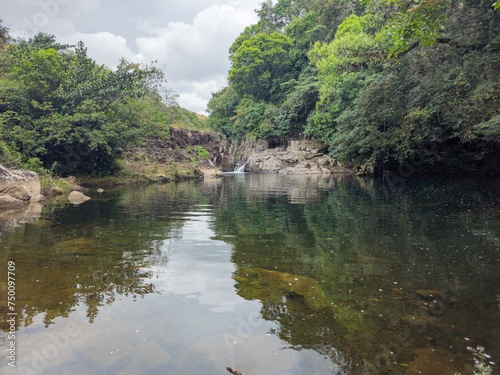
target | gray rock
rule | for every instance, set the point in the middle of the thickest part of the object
(19, 184)
(76, 197)
(6, 201)
(79, 188)
(38, 199)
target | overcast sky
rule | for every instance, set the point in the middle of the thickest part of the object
(189, 38)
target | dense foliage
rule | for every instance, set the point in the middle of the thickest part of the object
(60, 110)
(377, 81)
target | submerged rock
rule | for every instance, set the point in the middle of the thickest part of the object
(261, 283)
(78, 246)
(429, 294)
(432, 361)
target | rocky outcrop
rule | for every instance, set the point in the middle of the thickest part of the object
(290, 157)
(184, 145)
(19, 184)
(212, 151)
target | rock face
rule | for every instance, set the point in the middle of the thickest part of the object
(184, 144)
(18, 183)
(276, 156)
(290, 157)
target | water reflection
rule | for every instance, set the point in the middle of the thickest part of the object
(270, 274)
(372, 250)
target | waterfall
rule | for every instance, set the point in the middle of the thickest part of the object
(240, 168)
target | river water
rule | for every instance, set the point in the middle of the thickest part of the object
(267, 274)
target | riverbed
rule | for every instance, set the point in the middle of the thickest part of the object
(264, 273)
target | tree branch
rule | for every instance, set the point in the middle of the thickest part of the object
(233, 371)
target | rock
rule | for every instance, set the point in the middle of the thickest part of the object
(419, 320)
(434, 362)
(76, 197)
(38, 199)
(78, 246)
(100, 190)
(286, 283)
(74, 186)
(79, 188)
(71, 180)
(54, 190)
(208, 173)
(19, 184)
(429, 294)
(225, 163)
(296, 157)
(44, 224)
(6, 201)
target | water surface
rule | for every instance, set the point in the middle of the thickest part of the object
(267, 274)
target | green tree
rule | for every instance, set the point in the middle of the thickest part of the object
(423, 22)
(260, 64)
(66, 110)
(222, 108)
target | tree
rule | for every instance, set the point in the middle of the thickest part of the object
(222, 108)
(4, 35)
(260, 64)
(421, 22)
(62, 107)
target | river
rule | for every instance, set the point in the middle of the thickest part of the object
(267, 274)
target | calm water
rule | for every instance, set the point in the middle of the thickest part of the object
(267, 274)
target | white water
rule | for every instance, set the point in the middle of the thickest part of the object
(240, 168)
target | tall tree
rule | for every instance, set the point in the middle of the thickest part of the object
(61, 105)
(260, 64)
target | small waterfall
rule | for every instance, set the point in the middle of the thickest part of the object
(240, 168)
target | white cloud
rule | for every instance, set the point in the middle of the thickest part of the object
(197, 52)
(193, 46)
(104, 47)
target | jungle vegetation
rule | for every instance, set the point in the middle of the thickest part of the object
(377, 80)
(62, 113)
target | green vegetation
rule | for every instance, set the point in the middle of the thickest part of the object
(377, 81)
(61, 113)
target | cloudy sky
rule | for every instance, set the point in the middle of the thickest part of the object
(189, 38)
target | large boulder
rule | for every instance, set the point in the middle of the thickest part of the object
(19, 184)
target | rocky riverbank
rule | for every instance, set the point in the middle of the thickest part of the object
(286, 157)
(210, 153)
(185, 154)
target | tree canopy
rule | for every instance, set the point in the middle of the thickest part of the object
(373, 79)
(60, 110)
